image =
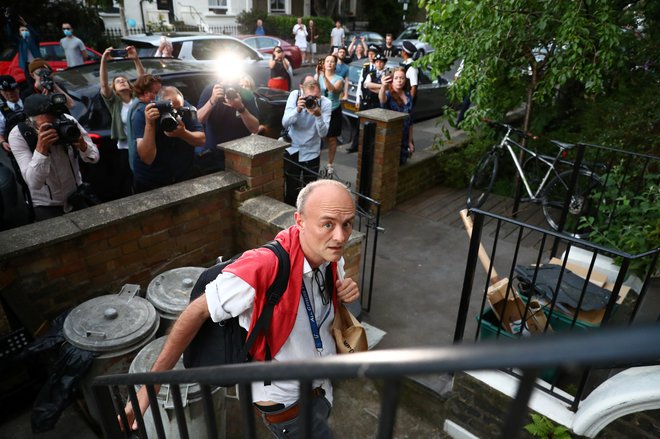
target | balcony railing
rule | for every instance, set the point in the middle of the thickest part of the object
(537, 294)
(630, 345)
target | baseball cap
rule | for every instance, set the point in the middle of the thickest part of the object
(7, 82)
(37, 104)
(409, 47)
(373, 48)
(37, 64)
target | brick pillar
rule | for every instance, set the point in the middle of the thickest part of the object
(387, 152)
(259, 160)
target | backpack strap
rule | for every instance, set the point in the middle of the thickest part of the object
(29, 134)
(273, 296)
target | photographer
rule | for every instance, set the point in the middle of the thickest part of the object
(307, 117)
(42, 74)
(166, 132)
(228, 112)
(46, 148)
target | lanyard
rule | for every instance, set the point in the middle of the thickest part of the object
(312, 319)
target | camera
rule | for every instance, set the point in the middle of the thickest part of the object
(46, 79)
(67, 130)
(311, 102)
(118, 53)
(169, 115)
(231, 92)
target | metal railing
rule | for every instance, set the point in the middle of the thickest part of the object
(528, 300)
(632, 345)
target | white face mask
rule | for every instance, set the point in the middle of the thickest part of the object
(25, 34)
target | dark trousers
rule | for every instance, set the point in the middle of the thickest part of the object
(46, 212)
(297, 174)
(292, 429)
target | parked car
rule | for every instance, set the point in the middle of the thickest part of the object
(266, 44)
(431, 97)
(369, 38)
(209, 49)
(81, 83)
(411, 33)
(51, 51)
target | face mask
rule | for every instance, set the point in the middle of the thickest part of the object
(68, 33)
(25, 34)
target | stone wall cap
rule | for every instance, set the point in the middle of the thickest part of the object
(382, 115)
(254, 145)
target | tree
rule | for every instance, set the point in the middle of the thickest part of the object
(524, 50)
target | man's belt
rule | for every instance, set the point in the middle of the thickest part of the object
(290, 413)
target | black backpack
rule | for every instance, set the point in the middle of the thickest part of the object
(225, 342)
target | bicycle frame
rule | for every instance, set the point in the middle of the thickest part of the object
(507, 142)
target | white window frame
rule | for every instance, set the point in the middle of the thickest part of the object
(218, 4)
(278, 11)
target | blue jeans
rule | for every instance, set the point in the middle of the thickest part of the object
(293, 429)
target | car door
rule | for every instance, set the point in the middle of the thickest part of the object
(431, 95)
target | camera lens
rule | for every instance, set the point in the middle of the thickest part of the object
(231, 93)
(168, 122)
(67, 130)
(310, 102)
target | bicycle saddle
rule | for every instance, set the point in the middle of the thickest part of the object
(563, 145)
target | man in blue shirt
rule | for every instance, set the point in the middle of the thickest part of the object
(164, 157)
(260, 28)
(228, 112)
(307, 117)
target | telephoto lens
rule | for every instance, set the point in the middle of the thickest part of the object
(67, 130)
(310, 102)
(231, 93)
(168, 120)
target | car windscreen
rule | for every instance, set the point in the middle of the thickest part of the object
(409, 34)
(213, 49)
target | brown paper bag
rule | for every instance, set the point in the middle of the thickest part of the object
(350, 336)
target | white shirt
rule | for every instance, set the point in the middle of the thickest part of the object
(125, 106)
(51, 178)
(229, 296)
(12, 107)
(337, 36)
(412, 73)
(300, 34)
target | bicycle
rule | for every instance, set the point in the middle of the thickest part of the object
(538, 169)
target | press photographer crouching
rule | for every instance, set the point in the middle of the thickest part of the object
(46, 147)
(166, 132)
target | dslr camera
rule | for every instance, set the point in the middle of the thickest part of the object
(311, 102)
(231, 92)
(46, 79)
(67, 129)
(169, 115)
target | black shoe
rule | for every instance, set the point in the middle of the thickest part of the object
(351, 150)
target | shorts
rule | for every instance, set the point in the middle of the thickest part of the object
(335, 123)
(311, 48)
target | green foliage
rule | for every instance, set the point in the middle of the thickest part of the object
(515, 49)
(628, 117)
(632, 216)
(385, 16)
(542, 427)
(457, 164)
(281, 25)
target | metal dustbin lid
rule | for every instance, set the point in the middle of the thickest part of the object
(111, 323)
(170, 291)
(144, 361)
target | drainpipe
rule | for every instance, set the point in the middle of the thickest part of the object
(144, 26)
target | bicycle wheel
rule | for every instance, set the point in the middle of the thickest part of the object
(584, 201)
(481, 182)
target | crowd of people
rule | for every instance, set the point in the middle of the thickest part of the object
(162, 138)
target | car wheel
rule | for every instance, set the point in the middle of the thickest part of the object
(347, 130)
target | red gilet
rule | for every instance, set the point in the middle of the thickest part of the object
(258, 267)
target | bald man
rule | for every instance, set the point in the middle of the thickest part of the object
(325, 211)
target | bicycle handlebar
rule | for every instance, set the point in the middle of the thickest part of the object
(505, 126)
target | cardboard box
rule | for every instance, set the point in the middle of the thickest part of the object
(510, 310)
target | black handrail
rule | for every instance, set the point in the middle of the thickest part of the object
(629, 345)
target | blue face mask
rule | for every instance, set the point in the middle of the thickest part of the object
(25, 34)
(68, 32)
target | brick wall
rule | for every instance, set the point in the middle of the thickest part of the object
(53, 265)
(418, 176)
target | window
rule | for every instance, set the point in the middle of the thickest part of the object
(278, 6)
(217, 4)
(213, 49)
